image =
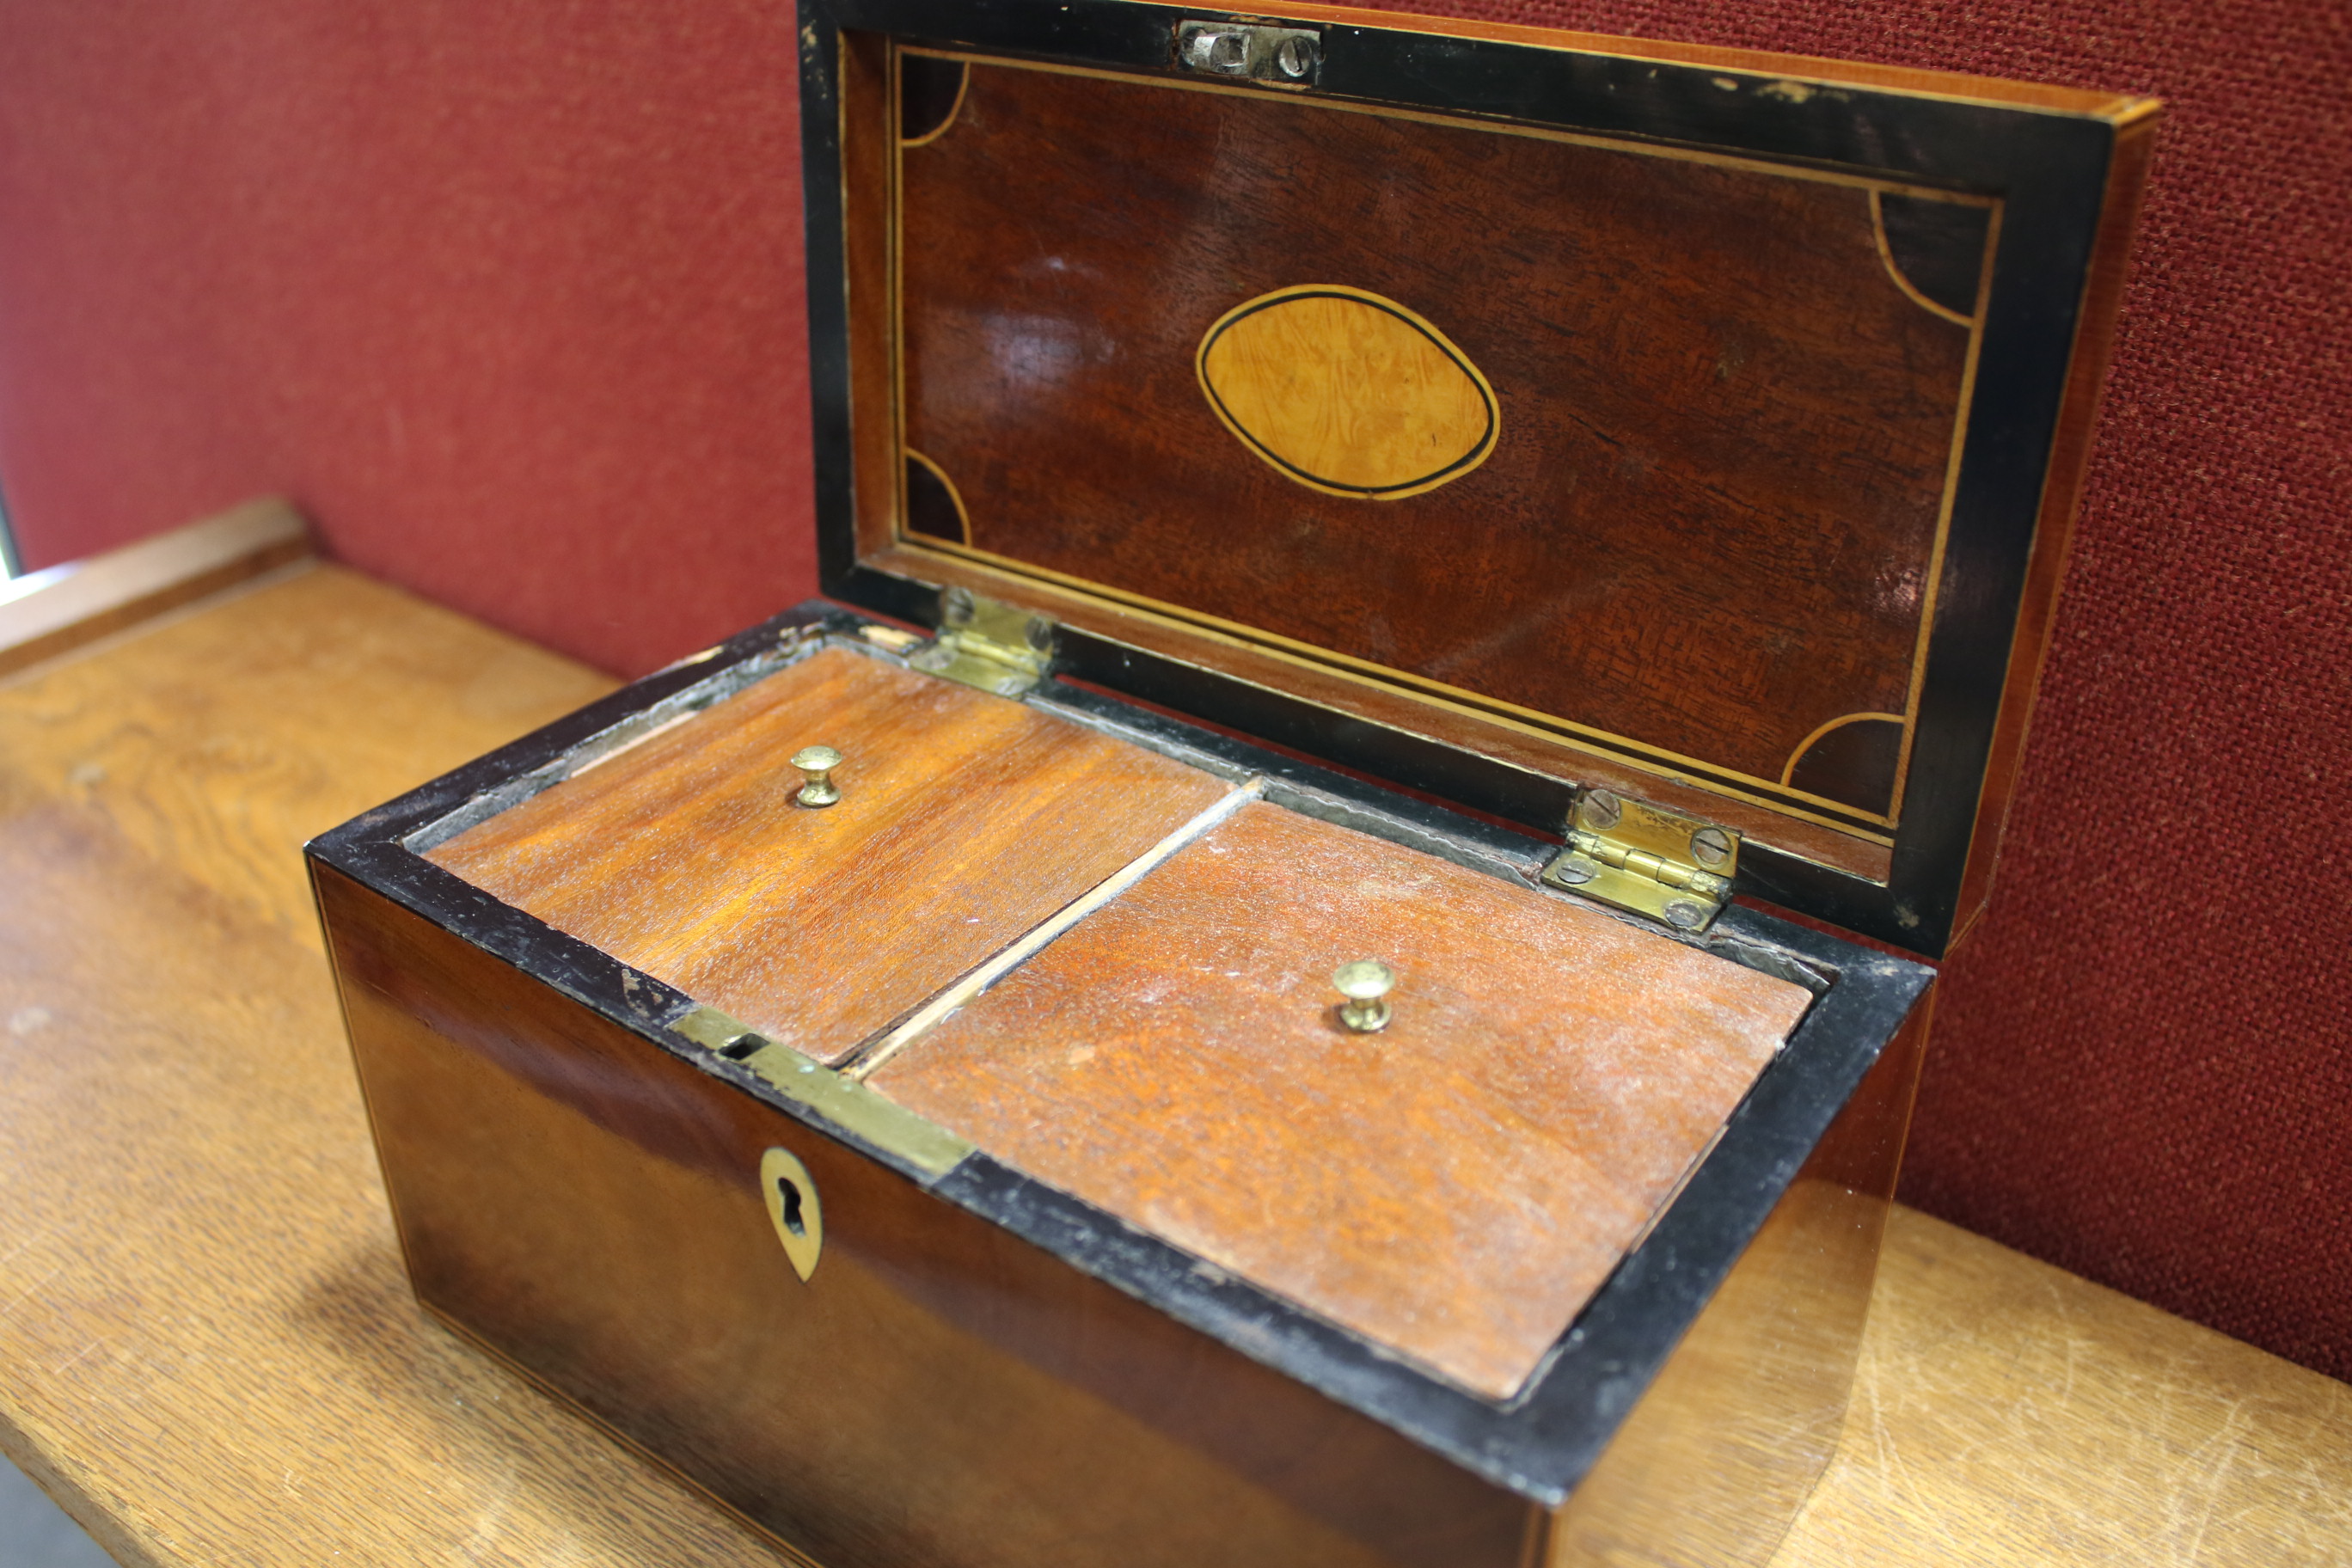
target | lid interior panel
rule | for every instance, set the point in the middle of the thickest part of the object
(1721, 399)
(1498, 412)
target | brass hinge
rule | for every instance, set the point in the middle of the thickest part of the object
(995, 646)
(1664, 864)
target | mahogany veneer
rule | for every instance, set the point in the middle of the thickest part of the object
(965, 820)
(1727, 407)
(1455, 1186)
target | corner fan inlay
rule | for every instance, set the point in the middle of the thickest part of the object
(1348, 393)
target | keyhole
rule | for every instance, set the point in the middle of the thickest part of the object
(790, 1194)
(794, 1208)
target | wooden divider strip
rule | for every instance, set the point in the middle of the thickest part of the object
(1020, 952)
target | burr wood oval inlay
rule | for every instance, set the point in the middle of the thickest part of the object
(1348, 393)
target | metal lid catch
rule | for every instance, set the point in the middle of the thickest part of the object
(1288, 56)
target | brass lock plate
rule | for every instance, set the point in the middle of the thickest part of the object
(929, 1149)
(1288, 56)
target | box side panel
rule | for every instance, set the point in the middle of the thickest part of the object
(1714, 1463)
(936, 1392)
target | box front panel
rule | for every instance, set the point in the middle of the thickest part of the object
(935, 1391)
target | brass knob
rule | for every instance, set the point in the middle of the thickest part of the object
(1365, 983)
(816, 764)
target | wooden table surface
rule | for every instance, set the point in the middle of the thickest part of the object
(209, 1356)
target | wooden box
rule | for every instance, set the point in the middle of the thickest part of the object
(1298, 496)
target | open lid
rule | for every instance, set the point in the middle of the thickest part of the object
(1497, 411)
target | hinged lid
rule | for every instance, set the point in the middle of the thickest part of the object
(1508, 414)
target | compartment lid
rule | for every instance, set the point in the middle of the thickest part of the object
(1502, 411)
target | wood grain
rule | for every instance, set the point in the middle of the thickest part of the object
(2010, 1414)
(162, 737)
(1455, 1186)
(1410, 714)
(208, 1352)
(965, 819)
(1709, 522)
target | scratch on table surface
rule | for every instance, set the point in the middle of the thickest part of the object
(2317, 1492)
(1894, 1475)
(77, 1355)
(19, 1298)
(2076, 1342)
(2205, 1497)
(35, 1239)
(486, 1525)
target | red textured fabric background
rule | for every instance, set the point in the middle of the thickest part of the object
(506, 297)
(509, 299)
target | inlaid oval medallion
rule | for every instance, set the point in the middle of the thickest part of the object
(1348, 393)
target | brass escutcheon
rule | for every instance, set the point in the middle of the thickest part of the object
(793, 1209)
